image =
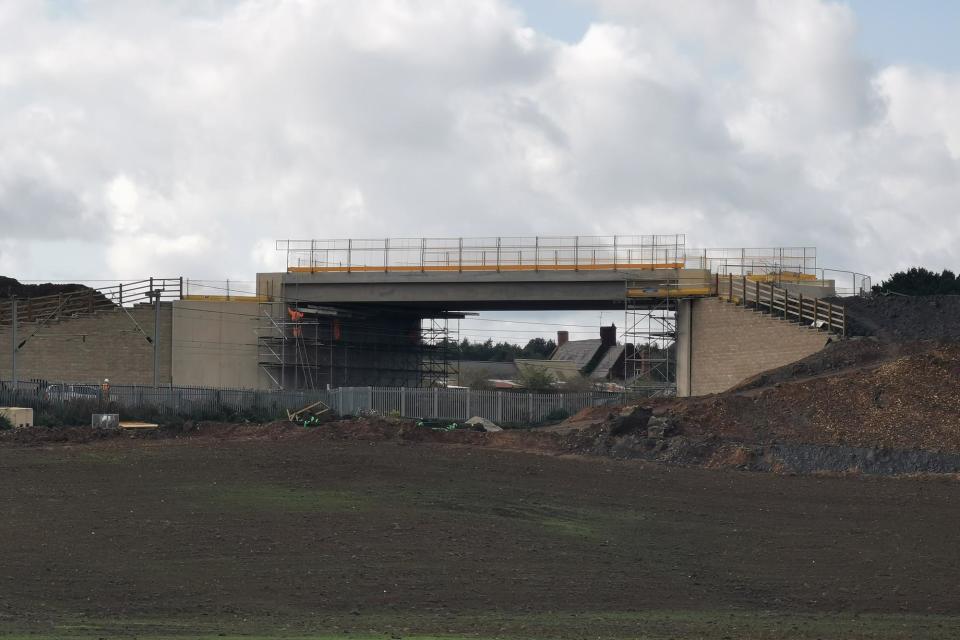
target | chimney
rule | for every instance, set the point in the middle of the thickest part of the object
(562, 337)
(608, 336)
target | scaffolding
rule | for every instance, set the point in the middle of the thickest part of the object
(650, 335)
(437, 362)
(311, 347)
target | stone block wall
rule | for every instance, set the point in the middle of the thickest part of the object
(724, 344)
(106, 344)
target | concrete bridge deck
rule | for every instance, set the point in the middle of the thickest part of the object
(507, 290)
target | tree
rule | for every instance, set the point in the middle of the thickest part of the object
(536, 349)
(536, 378)
(918, 281)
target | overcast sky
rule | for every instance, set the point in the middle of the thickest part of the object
(183, 138)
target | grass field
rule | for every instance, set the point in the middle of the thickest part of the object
(313, 537)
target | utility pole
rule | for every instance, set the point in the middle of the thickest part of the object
(155, 294)
(13, 347)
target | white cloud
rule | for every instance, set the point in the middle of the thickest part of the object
(183, 140)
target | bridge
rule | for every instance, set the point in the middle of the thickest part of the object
(395, 288)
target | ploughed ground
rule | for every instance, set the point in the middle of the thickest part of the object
(379, 529)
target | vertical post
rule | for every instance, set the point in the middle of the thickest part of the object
(730, 287)
(349, 253)
(436, 402)
(499, 406)
(13, 346)
(460, 255)
(156, 338)
(743, 287)
(576, 253)
(403, 402)
(536, 253)
(530, 406)
(423, 254)
(756, 294)
(770, 284)
(386, 254)
(313, 253)
(228, 289)
(716, 284)
(498, 254)
(614, 255)
(121, 294)
(800, 308)
(181, 286)
(816, 307)
(830, 317)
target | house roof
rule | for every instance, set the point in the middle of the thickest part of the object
(562, 369)
(580, 352)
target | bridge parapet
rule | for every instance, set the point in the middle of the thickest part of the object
(536, 253)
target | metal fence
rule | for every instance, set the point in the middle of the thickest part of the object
(197, 402)
(484, 254)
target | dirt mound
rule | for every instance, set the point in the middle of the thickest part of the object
(904, 318)
(10, 287)
(907, 403)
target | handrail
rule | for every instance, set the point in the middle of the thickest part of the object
(532, 253)
(780, 302)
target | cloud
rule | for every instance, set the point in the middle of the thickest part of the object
(186, 137)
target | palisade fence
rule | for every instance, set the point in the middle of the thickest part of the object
(507, 407)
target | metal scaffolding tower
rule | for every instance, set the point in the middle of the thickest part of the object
(649, 337)
(437, 361)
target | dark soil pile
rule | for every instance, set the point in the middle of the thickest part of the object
(907, 403)
(904, 318)
(10, 288)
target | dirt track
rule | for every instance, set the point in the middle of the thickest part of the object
(295, 532)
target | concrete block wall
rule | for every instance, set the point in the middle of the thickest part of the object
(215, 345)
(721, 344)
(106, 344)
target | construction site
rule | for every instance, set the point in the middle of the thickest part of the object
(385, 313)
(780, 460)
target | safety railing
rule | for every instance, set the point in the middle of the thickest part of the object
(780, 302)
(86, 300)
(485, 254)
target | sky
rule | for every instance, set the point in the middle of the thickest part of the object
(183, 138)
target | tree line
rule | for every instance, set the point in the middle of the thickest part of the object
(919, 281)
(535, 349)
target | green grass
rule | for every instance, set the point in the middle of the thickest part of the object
(646, 625)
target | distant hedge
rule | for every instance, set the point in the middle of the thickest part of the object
(920, 282)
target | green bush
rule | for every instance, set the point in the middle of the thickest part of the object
(5, 423)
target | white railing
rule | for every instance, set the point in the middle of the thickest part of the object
(200, 402)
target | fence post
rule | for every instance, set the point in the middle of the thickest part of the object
(743, 285)
(530, 407)
(403, 401)
(436, 402)
(13, 345)
(830, 317)
(800, 305)
(729, 287)
(499, 406)
(756, 294)
(370, 398)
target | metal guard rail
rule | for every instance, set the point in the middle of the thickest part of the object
(780, 302)
(88, 301)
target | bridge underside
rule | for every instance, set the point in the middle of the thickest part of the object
(394, 329)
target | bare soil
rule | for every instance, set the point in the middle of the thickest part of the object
(376, 527)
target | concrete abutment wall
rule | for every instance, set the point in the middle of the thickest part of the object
(720, 344)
